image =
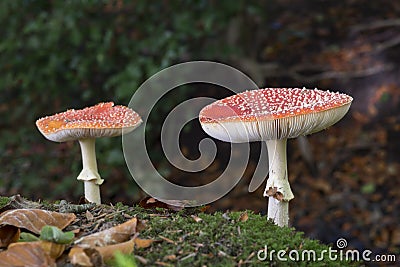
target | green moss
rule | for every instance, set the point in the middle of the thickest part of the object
(220, 239)
(4, 201)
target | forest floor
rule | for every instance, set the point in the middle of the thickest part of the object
(150, 234)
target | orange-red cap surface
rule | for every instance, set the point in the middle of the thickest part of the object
(101, 120)
(273, 113)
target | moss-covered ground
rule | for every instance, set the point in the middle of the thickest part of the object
(193, 237)
(225, 239)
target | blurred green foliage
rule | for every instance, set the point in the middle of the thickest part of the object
(56, 55)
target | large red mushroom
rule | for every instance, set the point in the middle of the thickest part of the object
(85, 125)
(273, 115)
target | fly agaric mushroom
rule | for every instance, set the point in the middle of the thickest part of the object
(273, 115)
(85, 125)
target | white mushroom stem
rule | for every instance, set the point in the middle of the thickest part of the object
(278, 187)
(89, 173)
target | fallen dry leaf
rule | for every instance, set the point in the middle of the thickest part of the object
(114, 235)
(54, 250)
(150, 202)
(77, 256)
(34, 219)
(87, 256)
(143, 243)
(243, 217)
(8, 234)
(26, 254)
(108, 252)
(196, 218)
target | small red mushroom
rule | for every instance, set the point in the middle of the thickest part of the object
(85, 125)
(273, 115)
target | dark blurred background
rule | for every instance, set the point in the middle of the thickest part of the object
(56, 55)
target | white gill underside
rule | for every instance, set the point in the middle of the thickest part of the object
(289, 127)
(83, 133)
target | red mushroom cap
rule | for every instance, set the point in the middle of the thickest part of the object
(101, 120)
(273, 113)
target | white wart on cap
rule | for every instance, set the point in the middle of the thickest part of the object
(273, 113)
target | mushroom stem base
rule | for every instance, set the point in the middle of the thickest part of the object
(92, 191)
(278, 188)
(278, 211)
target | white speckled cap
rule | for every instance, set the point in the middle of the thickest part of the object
(273, 113)
(101, 120)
